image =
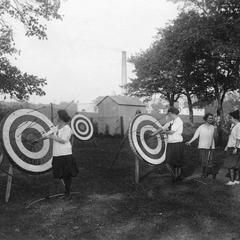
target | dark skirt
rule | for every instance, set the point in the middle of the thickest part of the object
(64, 166)
(175, 154)
(232, 160)
(206, 157)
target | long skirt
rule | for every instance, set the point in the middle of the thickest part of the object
(64, 166)
(175, 154)
(232, 160)
(206, 157)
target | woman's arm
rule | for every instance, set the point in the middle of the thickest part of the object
(64, 138)
(162, 129)
(195, 136)
(57, 139)
(158, 131)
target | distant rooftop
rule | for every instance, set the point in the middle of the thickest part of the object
(124, 100)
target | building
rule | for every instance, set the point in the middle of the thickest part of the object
(86, 107)
(116, 112)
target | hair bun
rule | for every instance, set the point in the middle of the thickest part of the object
(173, 110)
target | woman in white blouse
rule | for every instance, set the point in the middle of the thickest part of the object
(232, 162)
(205, 134)
(175, 147)
(63, 163)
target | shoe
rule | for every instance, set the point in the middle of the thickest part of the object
(236, 182)
(179, 178)
(230, 183)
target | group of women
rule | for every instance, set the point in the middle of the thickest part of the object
(65, 167)
(205, 133)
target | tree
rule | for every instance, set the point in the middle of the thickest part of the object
(152, 76)
(217, 70)
(198, 54)
(18, 84)
(180, 52)
(168, 65)
(33, 15)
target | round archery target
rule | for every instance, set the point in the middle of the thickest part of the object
(82, 127)
(150, 148)
(21, 133)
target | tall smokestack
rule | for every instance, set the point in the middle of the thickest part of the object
(124, 71)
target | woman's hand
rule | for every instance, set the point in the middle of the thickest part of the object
(235, 151)
(160, 130)
(51, 136)
(225, 149)
(188, 143)
(55, 138)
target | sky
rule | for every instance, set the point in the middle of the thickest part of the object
(81, 59)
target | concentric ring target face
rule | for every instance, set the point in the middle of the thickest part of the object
(150, 149)
(82, 127)
(21, 131)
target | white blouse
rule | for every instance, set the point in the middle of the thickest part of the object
(177, 127)
(205, 135)
(62, 149)
(234, 135)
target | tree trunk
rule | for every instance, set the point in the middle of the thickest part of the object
(221, 123)
(220, 112)
(190, 108)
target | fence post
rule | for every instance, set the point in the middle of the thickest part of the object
(121, 126)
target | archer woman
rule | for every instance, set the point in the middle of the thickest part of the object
(63, 163)
(175, 147)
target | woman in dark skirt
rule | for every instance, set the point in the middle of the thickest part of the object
(64, 165)
(175, 148)
(205, 134)
(232, 161)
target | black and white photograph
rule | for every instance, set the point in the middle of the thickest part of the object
(119, 120)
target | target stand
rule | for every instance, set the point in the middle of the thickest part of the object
(23, 147)
(147, 148)
(9, 174)
(83, 130)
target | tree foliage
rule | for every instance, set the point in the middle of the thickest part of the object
(198, 54)
(152, 74)
(33, 14)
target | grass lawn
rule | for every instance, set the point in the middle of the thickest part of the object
(110, 206)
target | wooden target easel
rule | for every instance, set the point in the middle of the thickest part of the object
(9, 173)
(138, 174)
(20, 132)
(141, 126)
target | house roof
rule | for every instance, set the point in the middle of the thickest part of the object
(124, 100)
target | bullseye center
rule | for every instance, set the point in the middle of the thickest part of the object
(151, 141)
(82, 127)
(29, 138)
